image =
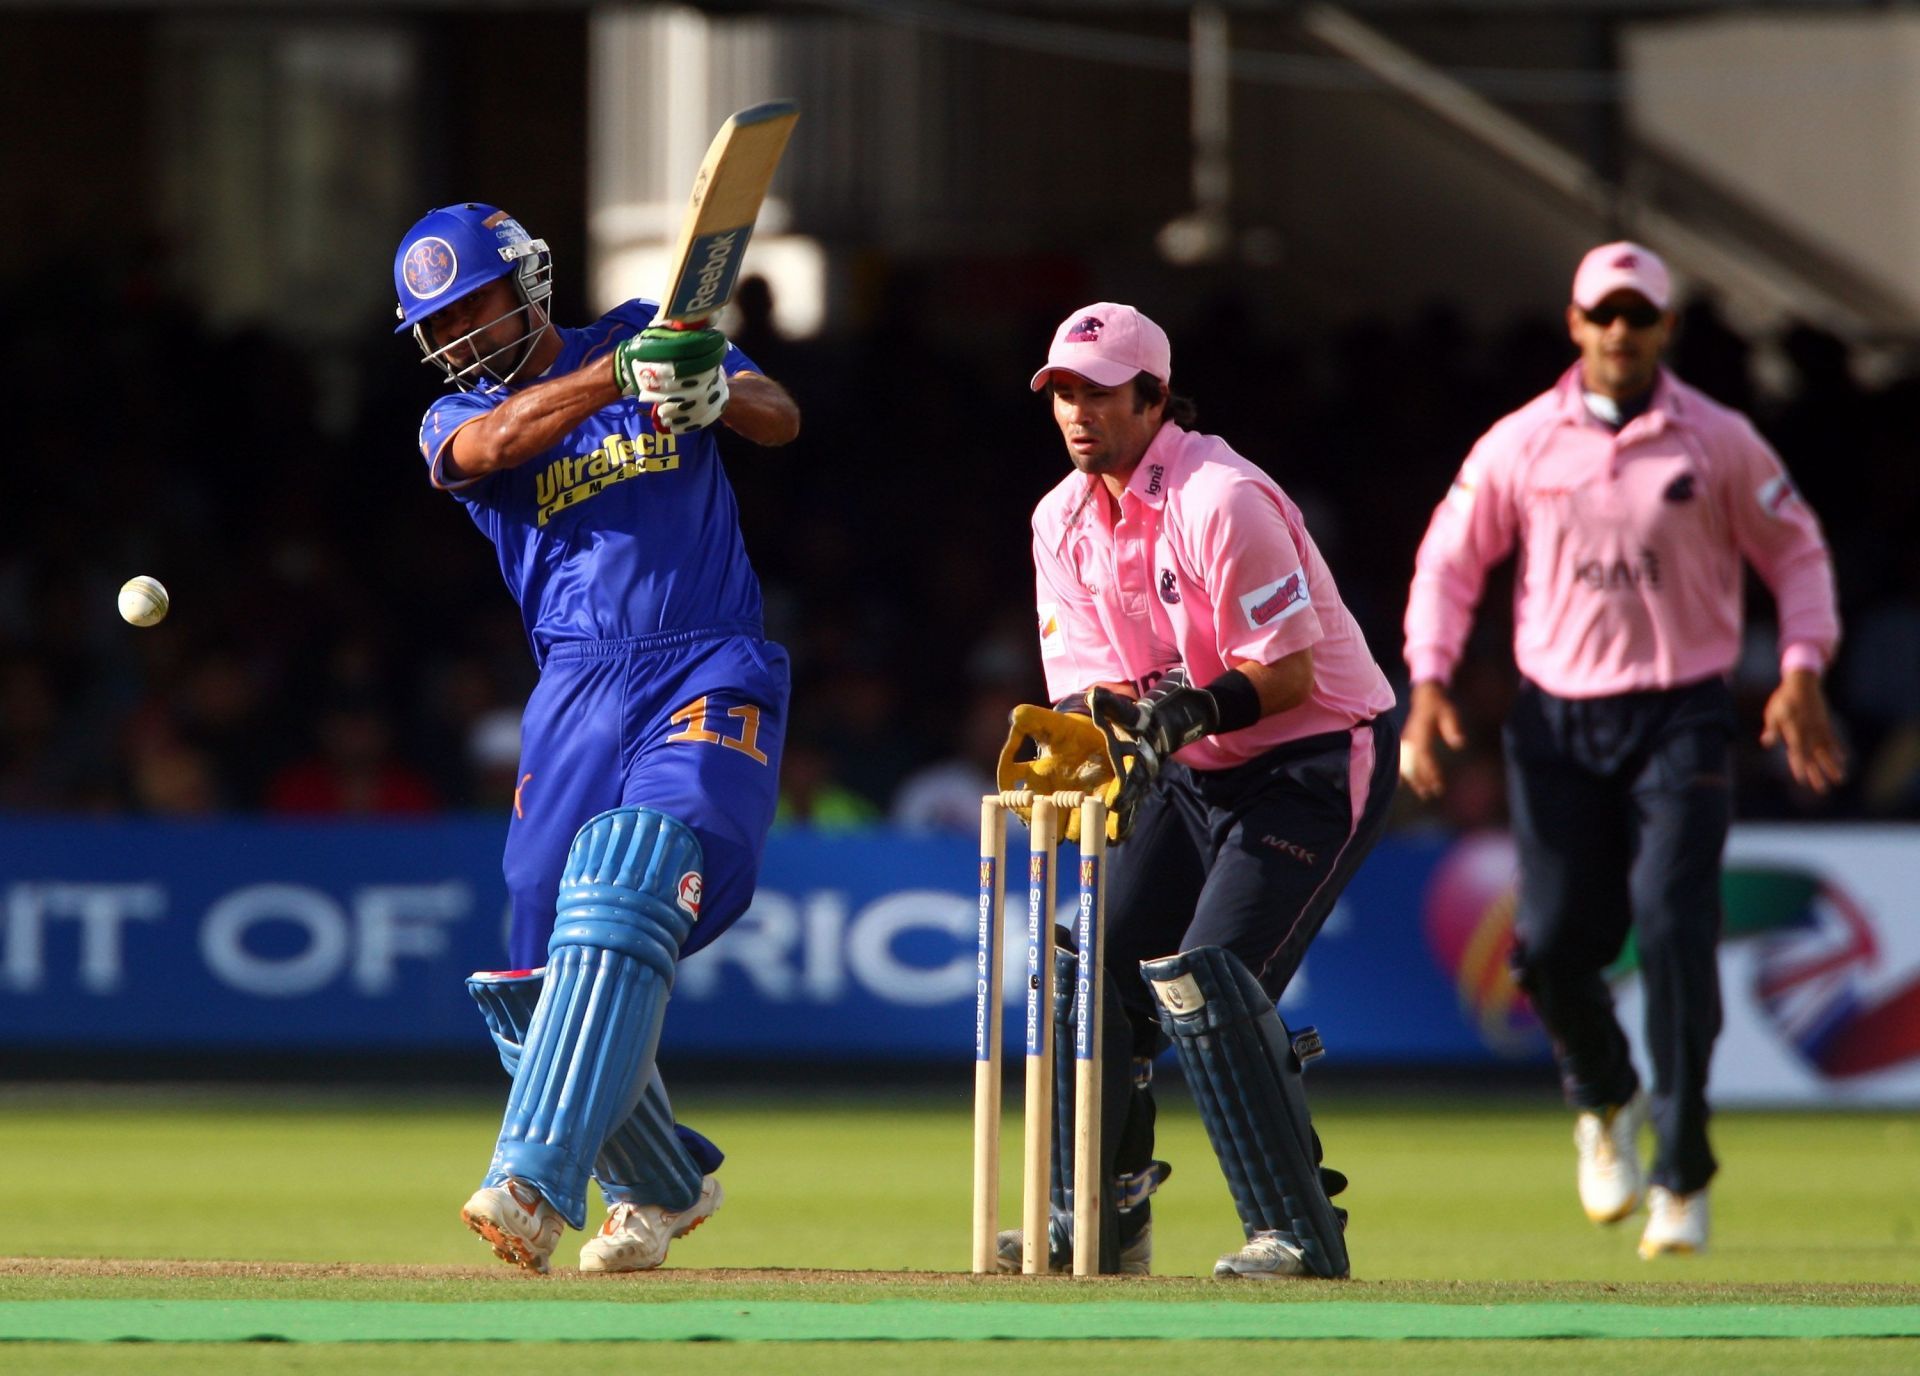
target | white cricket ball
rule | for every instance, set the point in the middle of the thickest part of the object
(143, 601)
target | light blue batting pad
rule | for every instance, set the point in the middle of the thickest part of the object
(648, 1158)
(628, 897)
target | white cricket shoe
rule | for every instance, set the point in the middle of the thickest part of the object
(516, 1222)
(1610, 1177)
(1676, 1223)
(1266, 1256)
(635, 1236)
(1136, 1258)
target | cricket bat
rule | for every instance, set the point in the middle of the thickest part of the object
(727, 192)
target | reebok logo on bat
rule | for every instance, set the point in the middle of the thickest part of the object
(1277, 601)
(713, 274)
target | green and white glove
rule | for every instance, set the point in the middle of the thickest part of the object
(678, 372)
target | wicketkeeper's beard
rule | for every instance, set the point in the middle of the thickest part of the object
(1097, 460)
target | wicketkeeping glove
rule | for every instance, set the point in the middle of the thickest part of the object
(1051, 752)
(677, 372)
(1173, 714)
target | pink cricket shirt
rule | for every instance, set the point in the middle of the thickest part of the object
(1630, 546)
(1209, 566)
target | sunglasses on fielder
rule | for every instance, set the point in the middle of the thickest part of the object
(1640, 316)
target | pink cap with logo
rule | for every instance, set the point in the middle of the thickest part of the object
(1621, 267)
(1106, 344)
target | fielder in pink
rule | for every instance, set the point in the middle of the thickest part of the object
(1634, 501)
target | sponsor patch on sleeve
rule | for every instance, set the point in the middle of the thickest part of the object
(1776, 494)
(1053, 642)
(1276, 601)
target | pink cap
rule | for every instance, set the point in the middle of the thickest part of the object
(1621, 267)
(1107, 344)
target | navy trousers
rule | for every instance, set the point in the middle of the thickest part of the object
(1620, 811)
(1251, 858)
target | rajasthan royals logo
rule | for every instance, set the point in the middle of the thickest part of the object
(429, 267)
(1086, 330)
(1169, 590)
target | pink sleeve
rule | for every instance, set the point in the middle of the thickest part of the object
(1472, 529)
(1075, 653)
(1262, 596)
(1779, 535)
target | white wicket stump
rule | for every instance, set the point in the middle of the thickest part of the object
(1037, 1143)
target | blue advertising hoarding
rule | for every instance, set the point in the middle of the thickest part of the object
(356, 937)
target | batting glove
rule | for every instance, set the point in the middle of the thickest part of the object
(648, 365)
(684, 407)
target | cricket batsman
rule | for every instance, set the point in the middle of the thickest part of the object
(650, 748)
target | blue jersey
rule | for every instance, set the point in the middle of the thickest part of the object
(616, 532)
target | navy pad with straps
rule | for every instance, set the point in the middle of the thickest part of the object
(1241, 1068)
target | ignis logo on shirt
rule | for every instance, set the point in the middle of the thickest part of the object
(1277, 601)
(1053, 644)
(1155, 472)
(1169, 588)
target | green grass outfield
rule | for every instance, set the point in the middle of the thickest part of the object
(859, 1199)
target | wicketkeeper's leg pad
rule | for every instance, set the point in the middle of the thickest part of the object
(629, 894)
(1240, 1065)
(649, 1158)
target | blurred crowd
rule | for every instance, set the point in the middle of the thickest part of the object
(341, 645)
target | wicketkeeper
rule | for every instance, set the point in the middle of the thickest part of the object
(1185, 611)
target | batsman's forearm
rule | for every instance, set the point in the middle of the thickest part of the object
(761, 410)
(529, 423)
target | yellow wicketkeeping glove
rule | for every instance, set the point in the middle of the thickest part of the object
(1051, 752)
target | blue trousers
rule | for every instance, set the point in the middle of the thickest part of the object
(688, 724)
(1620, 810)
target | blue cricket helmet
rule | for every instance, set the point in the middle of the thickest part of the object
(454, 251)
